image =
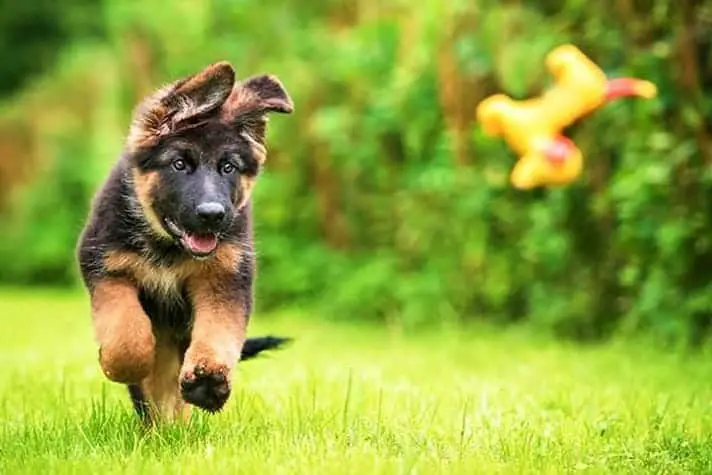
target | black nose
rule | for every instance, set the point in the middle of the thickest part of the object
(211, 212)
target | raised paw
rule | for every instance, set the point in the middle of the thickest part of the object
(205, 389)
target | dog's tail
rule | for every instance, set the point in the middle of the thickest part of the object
(254, 346)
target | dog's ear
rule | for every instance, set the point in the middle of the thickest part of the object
(180, 103)
(251, 101)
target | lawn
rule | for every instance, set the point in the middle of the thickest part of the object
(350, 399)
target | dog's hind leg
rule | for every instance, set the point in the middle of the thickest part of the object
(139, 401)
(162, 399)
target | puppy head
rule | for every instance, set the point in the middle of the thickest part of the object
(196, 147)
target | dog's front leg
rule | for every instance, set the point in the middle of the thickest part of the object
(123, 331)
(217, 337)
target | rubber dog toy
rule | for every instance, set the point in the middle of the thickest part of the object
(533, 127)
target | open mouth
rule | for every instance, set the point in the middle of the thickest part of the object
(197, 244)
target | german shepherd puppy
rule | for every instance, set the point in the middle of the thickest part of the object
(167, 252)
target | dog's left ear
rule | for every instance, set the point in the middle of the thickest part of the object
(251, 101)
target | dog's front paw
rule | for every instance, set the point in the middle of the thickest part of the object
(206, 388)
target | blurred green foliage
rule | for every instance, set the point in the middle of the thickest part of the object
(382, 199)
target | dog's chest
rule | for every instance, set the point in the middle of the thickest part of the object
(171, 312)
(157, 278)
(164, 290)
(164, 281)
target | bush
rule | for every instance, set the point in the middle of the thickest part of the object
(384, 201)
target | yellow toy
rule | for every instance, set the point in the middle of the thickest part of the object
(533, 127)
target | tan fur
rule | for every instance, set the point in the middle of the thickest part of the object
(161, 387)
(247, 184)
(219, 328)
(256, 95)
(227, 257)
(166, 280)
(147, 126)
(163, 280)
(144, 184)
(241, 100)
(123, 331)
(258, 150)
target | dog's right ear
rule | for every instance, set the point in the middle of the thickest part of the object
(252, 100)
(180, 103)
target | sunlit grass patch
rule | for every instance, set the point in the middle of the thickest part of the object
(357, 399)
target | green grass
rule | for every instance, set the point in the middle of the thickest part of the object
(359, 400)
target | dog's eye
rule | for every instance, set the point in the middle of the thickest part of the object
(227, 168)
(179, 164)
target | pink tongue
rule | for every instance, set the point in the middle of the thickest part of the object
(201, 243)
